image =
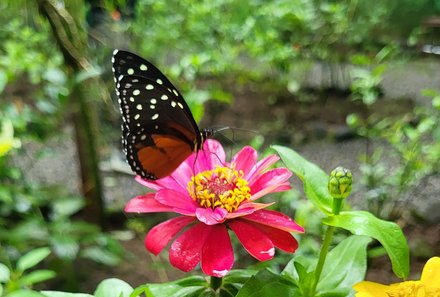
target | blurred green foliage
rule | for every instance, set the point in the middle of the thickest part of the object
(266, 41)
(34, 215)
(17, 280)
(34, 86)
(414, 140)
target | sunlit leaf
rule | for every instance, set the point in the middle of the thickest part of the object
(345, 265)
(5, 273)
(36, 277)
(25, 293)
(100, 255)
(113, 287)
(67, 207)
(314, 178)
(64, 294)
(65, 247)
(32, 258)
(387, 233)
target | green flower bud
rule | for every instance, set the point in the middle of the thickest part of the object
(339, 184)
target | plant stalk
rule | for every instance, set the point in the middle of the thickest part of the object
(322, 255)
(216, 282)
(336, 208)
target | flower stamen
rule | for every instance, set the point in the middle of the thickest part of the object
(221, 187)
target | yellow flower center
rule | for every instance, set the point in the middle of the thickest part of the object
(412, 289)
(221, 187)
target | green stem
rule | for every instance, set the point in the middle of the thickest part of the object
(336, 208)
(216, 282)
(322, 255)
(337, 205)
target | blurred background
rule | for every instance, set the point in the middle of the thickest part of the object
(351, 83)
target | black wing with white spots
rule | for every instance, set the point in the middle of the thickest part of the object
(158, 129)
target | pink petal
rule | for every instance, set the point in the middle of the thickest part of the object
(245, 159)
(146, 203)
(164, 183)
(217, 253)
(247, 208)
(161, 234)
(271, 189)
(256, 242)
(276, 176)
(185, 251)
(210, 216)
(207, 158)
(261, 166)
(274, 219)
(181, 203)
(216, 150)
(181, 176)
(149, 184)
(281, 239)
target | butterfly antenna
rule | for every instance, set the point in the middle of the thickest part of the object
(231, 140)
(223, 128)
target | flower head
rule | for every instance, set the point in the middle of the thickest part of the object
(339, 184)
(427, 286)
(213, 196)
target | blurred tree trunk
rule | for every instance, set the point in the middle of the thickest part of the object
(72, 41)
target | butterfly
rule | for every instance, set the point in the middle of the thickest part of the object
(158, 130)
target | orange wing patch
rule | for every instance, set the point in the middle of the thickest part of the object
(165, 156)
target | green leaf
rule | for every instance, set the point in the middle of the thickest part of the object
(229, 290)
(32, 258)
(345, 265)
(192, 291)
(298, 268)
(64, 294)
(65, 247)
(266, 283)
(100, 255)
(3, 80)
(387, 233)
(300, 271)
(314, 178)
(239, 276)
(36, 277)
(234, 281)
(63, 208)
(87, 74)
(143, 289)
(25, 293)
(189, 286)
(5, 273)
(113, 287)
(334, 293)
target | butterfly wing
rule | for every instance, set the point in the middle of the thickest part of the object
(158, 130)
(127, 63)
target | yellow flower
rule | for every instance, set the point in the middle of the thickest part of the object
(7, 140)
(427, 286)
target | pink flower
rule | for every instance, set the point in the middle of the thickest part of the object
(212, 196)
